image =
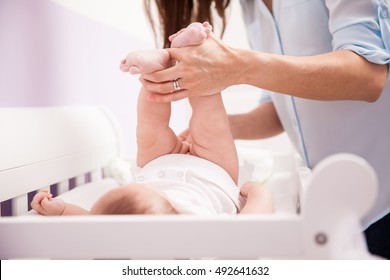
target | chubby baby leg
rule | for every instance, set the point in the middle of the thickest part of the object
(144, 62)
(154, 136)
(210, 133)
(194, 34)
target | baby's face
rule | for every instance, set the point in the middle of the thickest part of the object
(134, 199)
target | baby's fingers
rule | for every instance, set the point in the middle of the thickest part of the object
(45, 202)
(40, 196)
(247, 186)
(37, 201)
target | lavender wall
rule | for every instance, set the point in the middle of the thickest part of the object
(52, 56)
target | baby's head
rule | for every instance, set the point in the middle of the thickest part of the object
(133, 199)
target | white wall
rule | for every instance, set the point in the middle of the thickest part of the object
(66, 52)
(125, 15)
(53, 56)
(129, 17)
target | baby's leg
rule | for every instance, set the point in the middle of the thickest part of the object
(144, 62)
(210, 132)
(194, 34)
(154, 136)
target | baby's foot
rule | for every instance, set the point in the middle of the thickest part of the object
(194, 34)
(143, 62)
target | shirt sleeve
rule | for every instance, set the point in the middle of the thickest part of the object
(362, 26)
(265, 96)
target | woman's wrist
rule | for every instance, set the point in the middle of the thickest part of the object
(248, 65)
(245, 126)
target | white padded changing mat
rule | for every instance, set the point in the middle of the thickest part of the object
(281, 184)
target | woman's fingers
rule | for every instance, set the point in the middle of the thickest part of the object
(165, 91)
(202, 70)
(168, 74)
(163, 87)
(175, 96)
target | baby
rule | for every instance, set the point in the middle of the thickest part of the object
(192, 174)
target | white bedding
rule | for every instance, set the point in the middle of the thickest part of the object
(319, 231)
(280, 182)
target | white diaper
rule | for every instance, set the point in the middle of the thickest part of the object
(193, 185)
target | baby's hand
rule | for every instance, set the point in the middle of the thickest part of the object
(44, 203)
(258, 199)
(247, 187)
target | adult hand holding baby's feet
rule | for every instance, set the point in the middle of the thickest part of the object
(44, 203)
(149, 61)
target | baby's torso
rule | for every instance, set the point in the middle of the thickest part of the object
(193, 185)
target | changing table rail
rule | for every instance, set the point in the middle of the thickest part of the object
(151, 237)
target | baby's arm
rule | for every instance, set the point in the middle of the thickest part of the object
(258, 199)
(44, 203)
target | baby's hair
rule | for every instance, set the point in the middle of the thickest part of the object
(135, 204)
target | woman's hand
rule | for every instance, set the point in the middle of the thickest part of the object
(205, 69)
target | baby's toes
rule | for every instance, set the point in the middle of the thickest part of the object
(200, 36)
(207, 26)
(124, 68)
(134, 70)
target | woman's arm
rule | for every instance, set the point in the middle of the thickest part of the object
(261, 122)
(338, 75)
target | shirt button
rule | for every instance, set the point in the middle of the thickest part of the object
(384, 14)
(161, 174)
(180, 174)
(140, 178)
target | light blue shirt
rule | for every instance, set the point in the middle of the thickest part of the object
(322, 128)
